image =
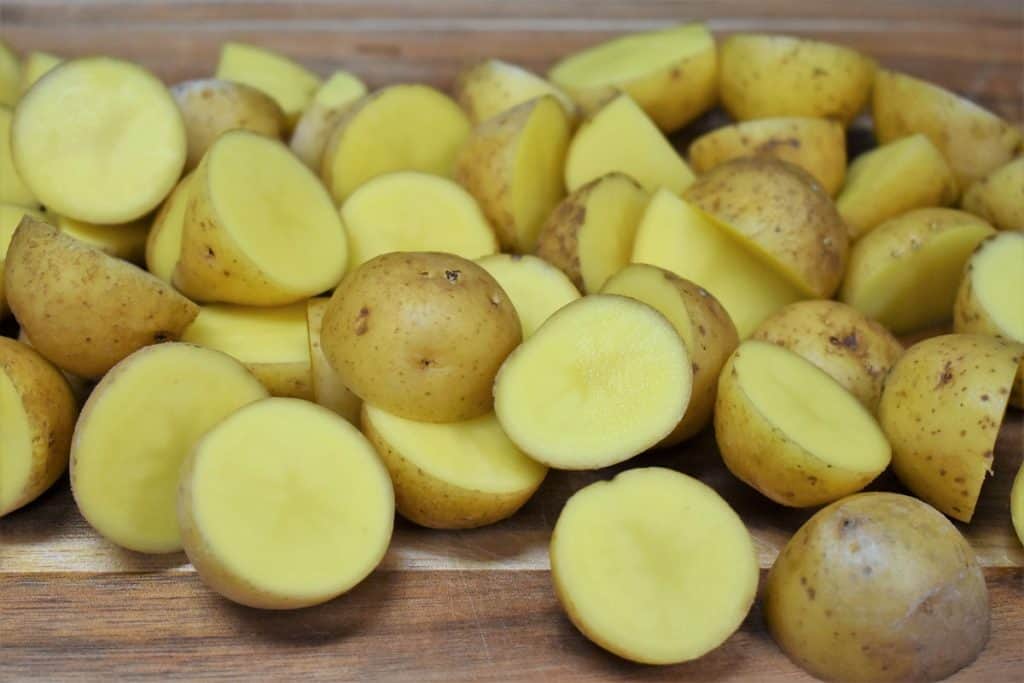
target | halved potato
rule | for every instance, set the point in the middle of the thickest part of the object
(125, 241)
(491, 87)
(536, 288)
(80, 387)
(290, 84)
(163, 243)
(10, 72)
(324, 111)
(789, 430)
(328, 389)
(997, 196)
(36, 65)
(13, 189)
(10, 217)
(671, 73)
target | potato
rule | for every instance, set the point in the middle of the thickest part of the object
(136, 429)
(290, 84)
(491, 87)
(283, 505)
(460, 475)
(789, 430)
(12, 188)
(112, 166)
(125, 241)
(878, 587)
(941, 408)
(905, 272)
(10, 217)
(10, 72)
(259, 230)
(670, 73)
(653, 566)
(621, 138)
(328, 389)
(80, 387)
(680, 238)
(851, 348)
(163, 242)
(535, 287)
(762, 76)
(412, 211)
(512, 164)
(1017, 504)
(36, 65)
(589, 235)
(604, 379)
(997, 196)
(974, 140)
(210, 107)
(909, 173)
(37, 415)
(816, 145)
(93, 310)
(420, 335)
(703, 325)
(384, 132)
(331, 101)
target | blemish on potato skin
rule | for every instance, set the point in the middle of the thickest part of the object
(362, 321)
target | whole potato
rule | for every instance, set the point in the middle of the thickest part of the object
(421, 335)
(878, 587)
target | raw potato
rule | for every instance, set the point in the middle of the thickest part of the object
(136, 430)
(906, 174)
(941, 408)
(701, 322)
(10, 217)
(854, 350)
(998, 196)
(682, 239)
(412, 211)
(421, 335)
(536, 288)
(878, 587)
(816, 145)
(974, 140)
(789, 430)
(80, 388)
(604, 379)
(762, 76)
(589, 235)
(210, 107)
(273, 343)
(35, 66)
(512, 164)
(10, 72)
(653, 566)
(284, 505)
(259, 230)
(1017, 504)
(460, 475)
(163, 243)
(783, 214)
(905, 272)
(328, 389)
(112, 166)
(94, 309)
(621, 138)
(490, 87)
(37, 415)
(126, 241)
(671, 73)
(12, 188)
(324, 111)
(291, 85)
(399, 128)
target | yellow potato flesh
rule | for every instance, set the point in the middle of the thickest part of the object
(10, 216)
(1017, 504)
(35, 66)
(12, 188)
(493, 86)
(999, 283)
(328, 389)
(126, 241)
(605, 240)
(653, 566)
(290, 84)
(15, 444)
(650, 287)
(10, 72)
(163, 244)
(323, 113)
(537, 183)
(131, 439)
(536, 288)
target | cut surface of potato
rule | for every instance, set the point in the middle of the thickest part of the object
(536, 288)
(10, 217)
(163, 243)
(36, 65)
(125, 241)
(1017, 504)
(989, 300)
(621, 138)
(10, 72)
(113, 165)
(290, 84)
(671, 73)
(997, 196)
(653, 566)
(284, 505)
(324, 111)
(136, 429)
(328, 389)
(614, 376)
(13, 189)
(792, 432)
(412, 211)
(490, 87)
(459, 475)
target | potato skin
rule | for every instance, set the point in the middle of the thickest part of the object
(490, 87)
(421, 335)
(1017, 504)
(878, 587)
(999, 196)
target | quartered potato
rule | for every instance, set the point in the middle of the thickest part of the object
(999, 196)
(322, 114)
(492, 86)
(290, 84)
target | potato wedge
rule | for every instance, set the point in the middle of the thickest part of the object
(125, 241)
(10, 217)
(13, 189)
(997, 196)
(163, 243)
(130, 440)
(513, 165)
(535, 287)
(290, 84)
(36, 65)
(670, 73)
(491, 87)
(789, 430)
(328, 389)
(905, 272)
(10, 73)
(324, 111)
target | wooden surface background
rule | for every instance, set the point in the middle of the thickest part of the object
(453, 605)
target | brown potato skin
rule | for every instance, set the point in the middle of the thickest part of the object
(999, 196)
(878, 587)
(421, 335)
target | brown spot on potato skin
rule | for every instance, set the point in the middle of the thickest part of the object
(363, 321)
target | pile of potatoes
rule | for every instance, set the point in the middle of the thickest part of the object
(258, 313)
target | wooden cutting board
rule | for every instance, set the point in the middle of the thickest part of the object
(474, 604)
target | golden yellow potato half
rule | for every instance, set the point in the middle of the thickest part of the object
(124, 241)
(10, 72)
(328, 389)
(290, 84)
(10, 217)
(653, 566)
(13, 189)
(36, 65)
(997, 196)
(492, 86)
(878, 587)
(329, 104)
(941, 409)
(163, 242)
(536, 288)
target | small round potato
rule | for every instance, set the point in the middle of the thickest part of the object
(421, 335)
(878, 587)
